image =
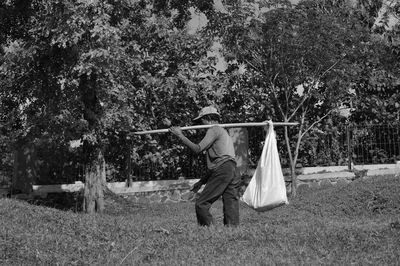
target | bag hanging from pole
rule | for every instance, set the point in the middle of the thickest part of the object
(267, 189)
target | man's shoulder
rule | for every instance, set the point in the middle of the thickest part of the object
(216, 128)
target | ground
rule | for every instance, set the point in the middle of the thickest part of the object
(356, 223)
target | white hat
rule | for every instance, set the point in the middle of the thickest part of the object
(207, 111)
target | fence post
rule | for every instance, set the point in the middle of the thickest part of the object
(128, 165)
(349, 147)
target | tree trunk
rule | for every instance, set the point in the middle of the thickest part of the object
(293, 159)
(95, 179)
(95, 173)
(294, 179)
(292, 162)
(25, 167)
(128, 164)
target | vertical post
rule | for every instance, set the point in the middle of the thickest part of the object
(25, 167)
(240, 138)
(349, 148)
(128, 165)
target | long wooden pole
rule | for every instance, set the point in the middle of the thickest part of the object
(253, 124)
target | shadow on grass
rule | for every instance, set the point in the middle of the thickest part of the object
(66, 201)
(73, 201)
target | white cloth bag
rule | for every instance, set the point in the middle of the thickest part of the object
(267, 189)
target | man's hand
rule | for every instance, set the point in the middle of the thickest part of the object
(166, 122)
(196, 187)
(177, 131)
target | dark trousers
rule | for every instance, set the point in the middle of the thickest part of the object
(224, 182)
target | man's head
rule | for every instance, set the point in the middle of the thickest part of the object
(208, 114)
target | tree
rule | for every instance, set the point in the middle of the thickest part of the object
(64, 73)
(377, 90)
(94, 70)
(97, 70)
(61, 73)
(304, 58)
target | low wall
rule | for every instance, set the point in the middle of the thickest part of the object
(142, 191)
(312, 177)
(156, 191)
(162, 196)
(179, 190)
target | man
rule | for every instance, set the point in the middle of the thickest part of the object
(222, 180)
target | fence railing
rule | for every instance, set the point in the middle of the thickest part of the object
(345, 145)
(375, 144)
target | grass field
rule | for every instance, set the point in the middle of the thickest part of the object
(354, 224)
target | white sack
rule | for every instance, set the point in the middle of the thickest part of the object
(267, 189)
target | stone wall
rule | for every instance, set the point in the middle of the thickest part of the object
(179, 190)
(325, 177)
(162, 196)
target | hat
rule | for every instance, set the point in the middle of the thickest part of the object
(207, 111)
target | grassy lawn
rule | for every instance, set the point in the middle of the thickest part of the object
(358, 223)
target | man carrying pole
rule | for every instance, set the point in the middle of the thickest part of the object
(222, 180)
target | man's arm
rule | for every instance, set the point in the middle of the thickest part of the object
(178, 132)
(204, 144)
(203, 180)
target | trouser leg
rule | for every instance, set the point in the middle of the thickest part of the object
(217, 183)
(230, 199)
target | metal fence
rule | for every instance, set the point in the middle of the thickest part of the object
(376, 144)
(346, 145)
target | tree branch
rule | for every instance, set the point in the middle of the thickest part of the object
(277, 100)
(300, 137)
(316, 122)
(329, 69)
(254, 67)
(298, 107)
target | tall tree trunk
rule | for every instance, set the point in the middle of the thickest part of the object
(293, 157)
(25, 167)
(292, 163)
(294, 179)
(128, 162)
(95, 173)
(95, 179)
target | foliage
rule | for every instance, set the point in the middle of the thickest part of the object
(377, 96)
(342, 225)
(375, 144)
(377, 89)
(5, 162)
(304, 59)
(326, 146)
(97, 70)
